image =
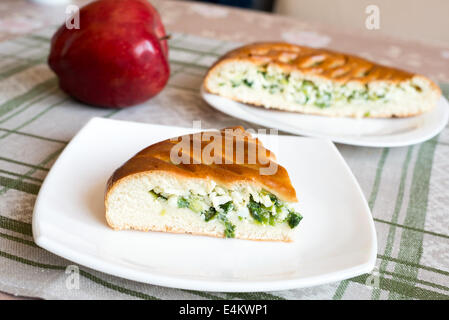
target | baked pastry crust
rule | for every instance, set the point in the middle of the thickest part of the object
(323, 65)
(231, 171)
(330, 65)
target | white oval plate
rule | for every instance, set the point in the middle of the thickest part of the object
(335, 240)
(395, 132)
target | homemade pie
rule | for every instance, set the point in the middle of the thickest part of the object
(318, 81)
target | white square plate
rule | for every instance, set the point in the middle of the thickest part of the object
(335, 240)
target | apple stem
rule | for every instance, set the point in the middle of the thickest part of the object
(166, 37)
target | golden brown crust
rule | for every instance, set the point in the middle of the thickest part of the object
(330, 65)
(232, 170)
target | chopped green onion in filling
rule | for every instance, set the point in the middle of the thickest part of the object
(262, 208)
(259, 212)
(247, 83)
(228, 206)
(157, 195)
(209, 214)
(293, 219)
(229, 230)
(183, 203)
(307, 92)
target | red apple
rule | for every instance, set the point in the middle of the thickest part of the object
(117, 58)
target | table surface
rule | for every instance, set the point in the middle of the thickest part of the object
(19, 17)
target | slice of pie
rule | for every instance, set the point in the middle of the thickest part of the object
(318, 81)
(214, 183)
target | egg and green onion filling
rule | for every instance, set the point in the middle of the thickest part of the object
(322, 94)
(261, 207)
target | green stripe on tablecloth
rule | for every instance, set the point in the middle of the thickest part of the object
(33, 136)
(34, 118)
(392, 230)
(24, 164)
(398, 287)
(39, 38)
(25, 42)
(174, 47)
(189, 64)
(379, 170)
(113, 112)
(441, 235)
(19, 240)
(175, 86)
(412, 241)
(30, 103)
(17, 59)
(426, 283)
(39, 181)
(17, 101)
(83, 273)
(10, 72)
(414, 265)
(193, 63)
(15, 225)
(341, 289)
(253, 296)
(372, 200)
(18, 184)
(117, 288)
(444, 89)
(30, 262)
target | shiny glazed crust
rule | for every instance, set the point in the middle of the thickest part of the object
(324, 63)
(156, 158)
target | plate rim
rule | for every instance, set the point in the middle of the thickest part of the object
(98, 264)
(337, 139)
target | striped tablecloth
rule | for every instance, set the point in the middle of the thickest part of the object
(407, 188)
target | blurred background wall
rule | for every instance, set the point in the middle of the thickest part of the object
(426, 20)
(416, 19)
